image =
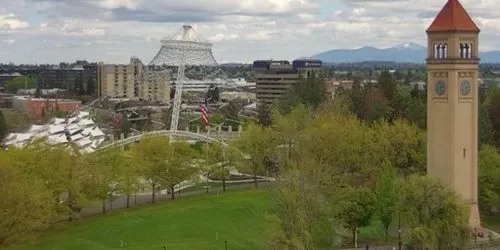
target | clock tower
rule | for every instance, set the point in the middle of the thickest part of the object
(452, 103)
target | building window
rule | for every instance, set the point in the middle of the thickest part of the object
(441, 51)
(465, 51)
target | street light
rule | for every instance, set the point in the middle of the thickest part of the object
(399, 231)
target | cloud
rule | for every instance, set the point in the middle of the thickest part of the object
(242, 31)
(9, 41)
(9, 21)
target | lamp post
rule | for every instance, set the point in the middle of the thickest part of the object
(399, 231)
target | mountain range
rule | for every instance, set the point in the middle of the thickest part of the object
(403, 53)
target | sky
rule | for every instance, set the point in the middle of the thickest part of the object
(111, 31)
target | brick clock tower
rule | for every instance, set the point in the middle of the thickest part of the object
(452, 103)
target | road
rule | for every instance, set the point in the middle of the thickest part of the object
(121, 202)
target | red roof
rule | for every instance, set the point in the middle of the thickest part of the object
(453, 17)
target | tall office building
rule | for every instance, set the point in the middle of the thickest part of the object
(157, 84)
(133, 81)
(116, 80)
(274, 78)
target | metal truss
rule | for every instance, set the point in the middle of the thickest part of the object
(160, 133)
(182, 48)
(171, 54)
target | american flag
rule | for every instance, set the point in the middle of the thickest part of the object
(204, 112)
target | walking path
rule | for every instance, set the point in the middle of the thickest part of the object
(121, 202)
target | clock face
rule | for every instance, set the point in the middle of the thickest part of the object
(465, 88)
(440, 87)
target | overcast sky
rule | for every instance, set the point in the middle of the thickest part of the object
(49, 31)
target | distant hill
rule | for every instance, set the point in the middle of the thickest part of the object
(403, 53)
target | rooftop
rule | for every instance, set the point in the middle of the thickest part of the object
(79, 129)
(453, 17)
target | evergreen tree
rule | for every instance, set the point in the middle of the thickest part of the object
(309, 90)
(485, 126)
(264, 114)
(494, 113)
(81, 89)
(216, 94)
(38, 92)
(213, 94)
(78, 86)
(90, 86)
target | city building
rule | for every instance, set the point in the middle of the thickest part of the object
(6, 77)
(452, 104)
(117, 80)
(156, 85)
(133, 81)
(274, 78)
(64, 76)
(35, 107)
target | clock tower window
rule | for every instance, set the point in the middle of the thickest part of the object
(465, 51)
(441, 51)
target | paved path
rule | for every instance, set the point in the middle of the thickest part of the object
(121, 202)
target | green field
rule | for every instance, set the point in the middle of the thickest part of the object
(202, 222)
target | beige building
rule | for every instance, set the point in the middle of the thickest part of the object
(274, 78)
(452, 103)
(156, 85)
(133, 81)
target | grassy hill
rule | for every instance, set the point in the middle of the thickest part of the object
(202, 222)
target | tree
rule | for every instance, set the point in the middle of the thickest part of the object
(15, 121)
(3, 126)
(165, 164)
(416, 112)
(404, 146)
(22, 82)
(287, 128)
(218, 160)
(353, 148)
(178, 166)
(59, 168)
(104, 169)
(121, 125)
(494, 113)
(435, 216)
(150, 153)
(24, 202)
(264, 114)
(128, 178)
(230, 114)
(38, 92)
(485, 126)
(387, 84)
(302, 220)
(375, 105)
(309, 90)
(257, 143)
(357, 207)
(213, 93)
(78, 86)
(90, 86)
(489, 178)
(385, 190)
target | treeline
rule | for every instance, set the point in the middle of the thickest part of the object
(359, 160)
(42, 183)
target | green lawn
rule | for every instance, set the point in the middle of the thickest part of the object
(202, 222)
